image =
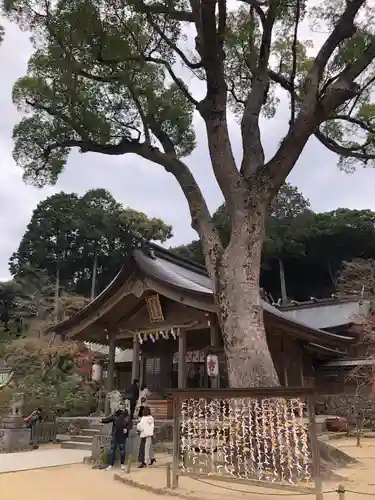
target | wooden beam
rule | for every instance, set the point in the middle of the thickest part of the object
(111, 361)
(181, 359)
(135, 361)
(127, 316)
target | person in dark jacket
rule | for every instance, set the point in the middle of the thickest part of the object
(34, 418)
(121, 425)
(31, 422)
(133, 396)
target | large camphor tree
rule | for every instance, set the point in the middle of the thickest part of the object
(114, 77)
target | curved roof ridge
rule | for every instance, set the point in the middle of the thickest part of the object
(155, 262)
(172, 257)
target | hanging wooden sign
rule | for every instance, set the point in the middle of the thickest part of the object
(154, 309)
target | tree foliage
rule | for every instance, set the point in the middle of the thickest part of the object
(30, 304)
(357, 277)
(50, 375)
(323, 253)
(288, 206)
(67, 233)
(362, 377)
(115, 78)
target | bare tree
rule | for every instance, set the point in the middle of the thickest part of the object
(359, 407)
(357, 278)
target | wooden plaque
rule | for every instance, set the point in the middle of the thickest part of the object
(155, 311)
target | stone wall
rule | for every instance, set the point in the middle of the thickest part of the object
(14, 436)
(12, 440)
(347, 405)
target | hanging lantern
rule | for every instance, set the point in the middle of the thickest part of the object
(212, 365)
(96, 372)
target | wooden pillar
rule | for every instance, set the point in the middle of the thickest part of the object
(182, 359)
(214, 342)
(301, 359)
(111, 361)
(135, 361)
(285, 375)
(283, 363)
(141, 369)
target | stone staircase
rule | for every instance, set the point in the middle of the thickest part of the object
(82, 441)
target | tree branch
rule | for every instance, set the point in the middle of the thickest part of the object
(294, 64)
(277, 169)
(256, 5)
(354, 121)
(172, 45)
(213, 108)
(232, 91)
(343, 29)
(284, 82)
(200, 215)
(141, 112)
(253, 154)
(141, 58)
(159, 8)
(335, 147)
(58, 114)
(118, 77)
(344, 87)
(362, 89)
(310, 116)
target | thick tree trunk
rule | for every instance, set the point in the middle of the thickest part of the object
(56, 308)
(284, 295)
(240, 307)
(93, 277)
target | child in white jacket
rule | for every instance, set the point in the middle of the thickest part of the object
(146, 429)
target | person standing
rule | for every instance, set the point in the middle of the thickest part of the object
(121, 425)
(31, 421)
(142, 399)
(133, 396)
(146, 427)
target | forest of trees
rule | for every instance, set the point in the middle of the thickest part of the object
(72, 248)
(78, 244)
(121, 78)
(307, 248)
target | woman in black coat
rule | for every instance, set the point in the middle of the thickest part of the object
(121, 425)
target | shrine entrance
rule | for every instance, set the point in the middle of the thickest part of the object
(196, 376)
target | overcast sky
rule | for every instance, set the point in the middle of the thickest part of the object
(145, 186)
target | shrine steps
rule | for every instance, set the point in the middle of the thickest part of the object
(81, 441)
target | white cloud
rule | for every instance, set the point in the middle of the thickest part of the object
(145, 186)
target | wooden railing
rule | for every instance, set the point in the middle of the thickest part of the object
(44, 432)
(161, 409)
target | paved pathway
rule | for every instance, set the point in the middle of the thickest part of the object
(40, 459)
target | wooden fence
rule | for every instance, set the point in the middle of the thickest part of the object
(264, 436)
(43, 432)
